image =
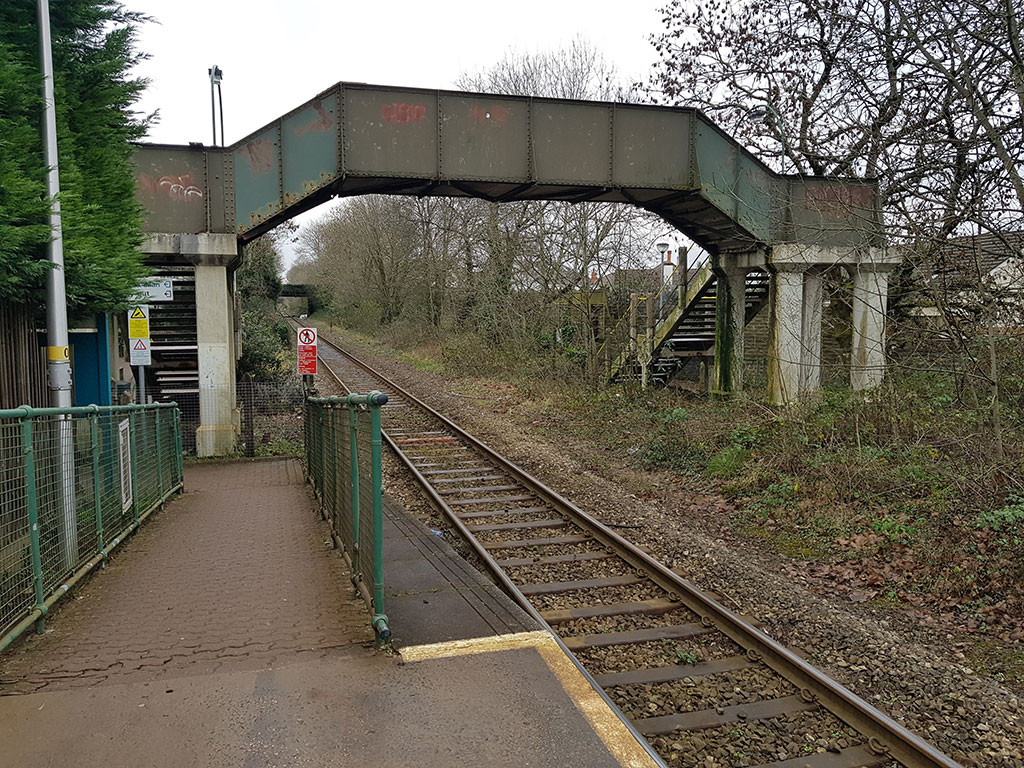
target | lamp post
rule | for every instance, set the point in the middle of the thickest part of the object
(758, 113)
(216, 75)
(57, 347)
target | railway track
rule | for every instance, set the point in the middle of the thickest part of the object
(702, 684)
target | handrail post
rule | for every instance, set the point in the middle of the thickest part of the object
(353, 441)
(97, 484)
(134, 466)
(332, 511)
(159, 454)
(177, 446)
(380, 620)
(322, 447)
(32, 500)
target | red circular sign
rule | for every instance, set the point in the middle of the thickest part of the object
(307, 336)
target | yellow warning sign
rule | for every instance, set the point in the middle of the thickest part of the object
(138, 322)
(57, 353)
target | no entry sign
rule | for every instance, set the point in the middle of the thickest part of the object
(306, 339)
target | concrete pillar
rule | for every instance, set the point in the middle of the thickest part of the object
(217, 432)
(214, 256)
(810, 335)
(786, 326)
(730, 324)
(870, 295)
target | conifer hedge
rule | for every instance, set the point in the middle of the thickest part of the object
(93, 53)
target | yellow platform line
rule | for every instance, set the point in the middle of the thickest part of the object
(617, 738)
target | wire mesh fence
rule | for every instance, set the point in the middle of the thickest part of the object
(73, 483)
(268, 415)
(343, 463)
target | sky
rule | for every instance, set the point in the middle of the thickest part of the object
(276, 54)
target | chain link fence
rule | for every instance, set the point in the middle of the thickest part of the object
(73, 483)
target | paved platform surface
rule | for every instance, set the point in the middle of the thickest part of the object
(226, 633)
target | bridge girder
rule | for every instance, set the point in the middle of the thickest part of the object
(360, 139)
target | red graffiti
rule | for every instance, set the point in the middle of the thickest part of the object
(402, 113)
(322, 123)
(260, 155)
(181, 187)
(497, 113)
(839, 201)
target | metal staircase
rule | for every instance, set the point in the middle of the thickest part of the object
(684, 326)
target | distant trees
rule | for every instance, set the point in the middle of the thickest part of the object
(93, 52)
(265, 335)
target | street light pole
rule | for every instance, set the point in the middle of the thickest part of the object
(58, 358)
(761, 111)
(216, 75)
(57, 353)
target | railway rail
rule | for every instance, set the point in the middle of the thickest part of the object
(702, 684)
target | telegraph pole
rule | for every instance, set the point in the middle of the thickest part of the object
(57, 353)
(58, 358)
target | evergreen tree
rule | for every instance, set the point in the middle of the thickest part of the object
(93, 53)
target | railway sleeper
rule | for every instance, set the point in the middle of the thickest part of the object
(469, 479)
(478, 489)
(606, 639)
(561, 615)
(672, 673)
(498, 512)
(570, 558)
(548, 523)
(860, 756)
(460, 471)
(554, 587)
(499, 500)
(545, 541)
(713, 718)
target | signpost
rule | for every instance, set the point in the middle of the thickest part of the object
(140, 352)
(139, 345)
(306, 343)
(306, 338)
(157, 289)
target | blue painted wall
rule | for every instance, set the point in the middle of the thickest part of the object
(91, 364)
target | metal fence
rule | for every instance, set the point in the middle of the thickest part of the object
(343, 464)
(269, 415)
(73, 483)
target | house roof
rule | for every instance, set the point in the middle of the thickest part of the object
(963, 262)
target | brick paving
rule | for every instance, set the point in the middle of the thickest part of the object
(238, 573)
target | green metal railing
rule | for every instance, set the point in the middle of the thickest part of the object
(343, 464)
(74, 482)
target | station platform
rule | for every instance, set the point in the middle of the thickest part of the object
(226, 633)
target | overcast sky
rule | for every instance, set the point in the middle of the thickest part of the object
(276, 54)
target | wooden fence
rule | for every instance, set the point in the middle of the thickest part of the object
(22, 359)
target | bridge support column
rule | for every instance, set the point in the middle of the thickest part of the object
(217, 433)
(810, 332)
(214, 257)
(786, 331)
(870, 296)
(730, 322)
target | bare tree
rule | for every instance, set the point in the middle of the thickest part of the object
(926, 96)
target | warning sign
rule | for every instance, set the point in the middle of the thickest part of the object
(138, 322)
(306, 338)
(140, 352)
